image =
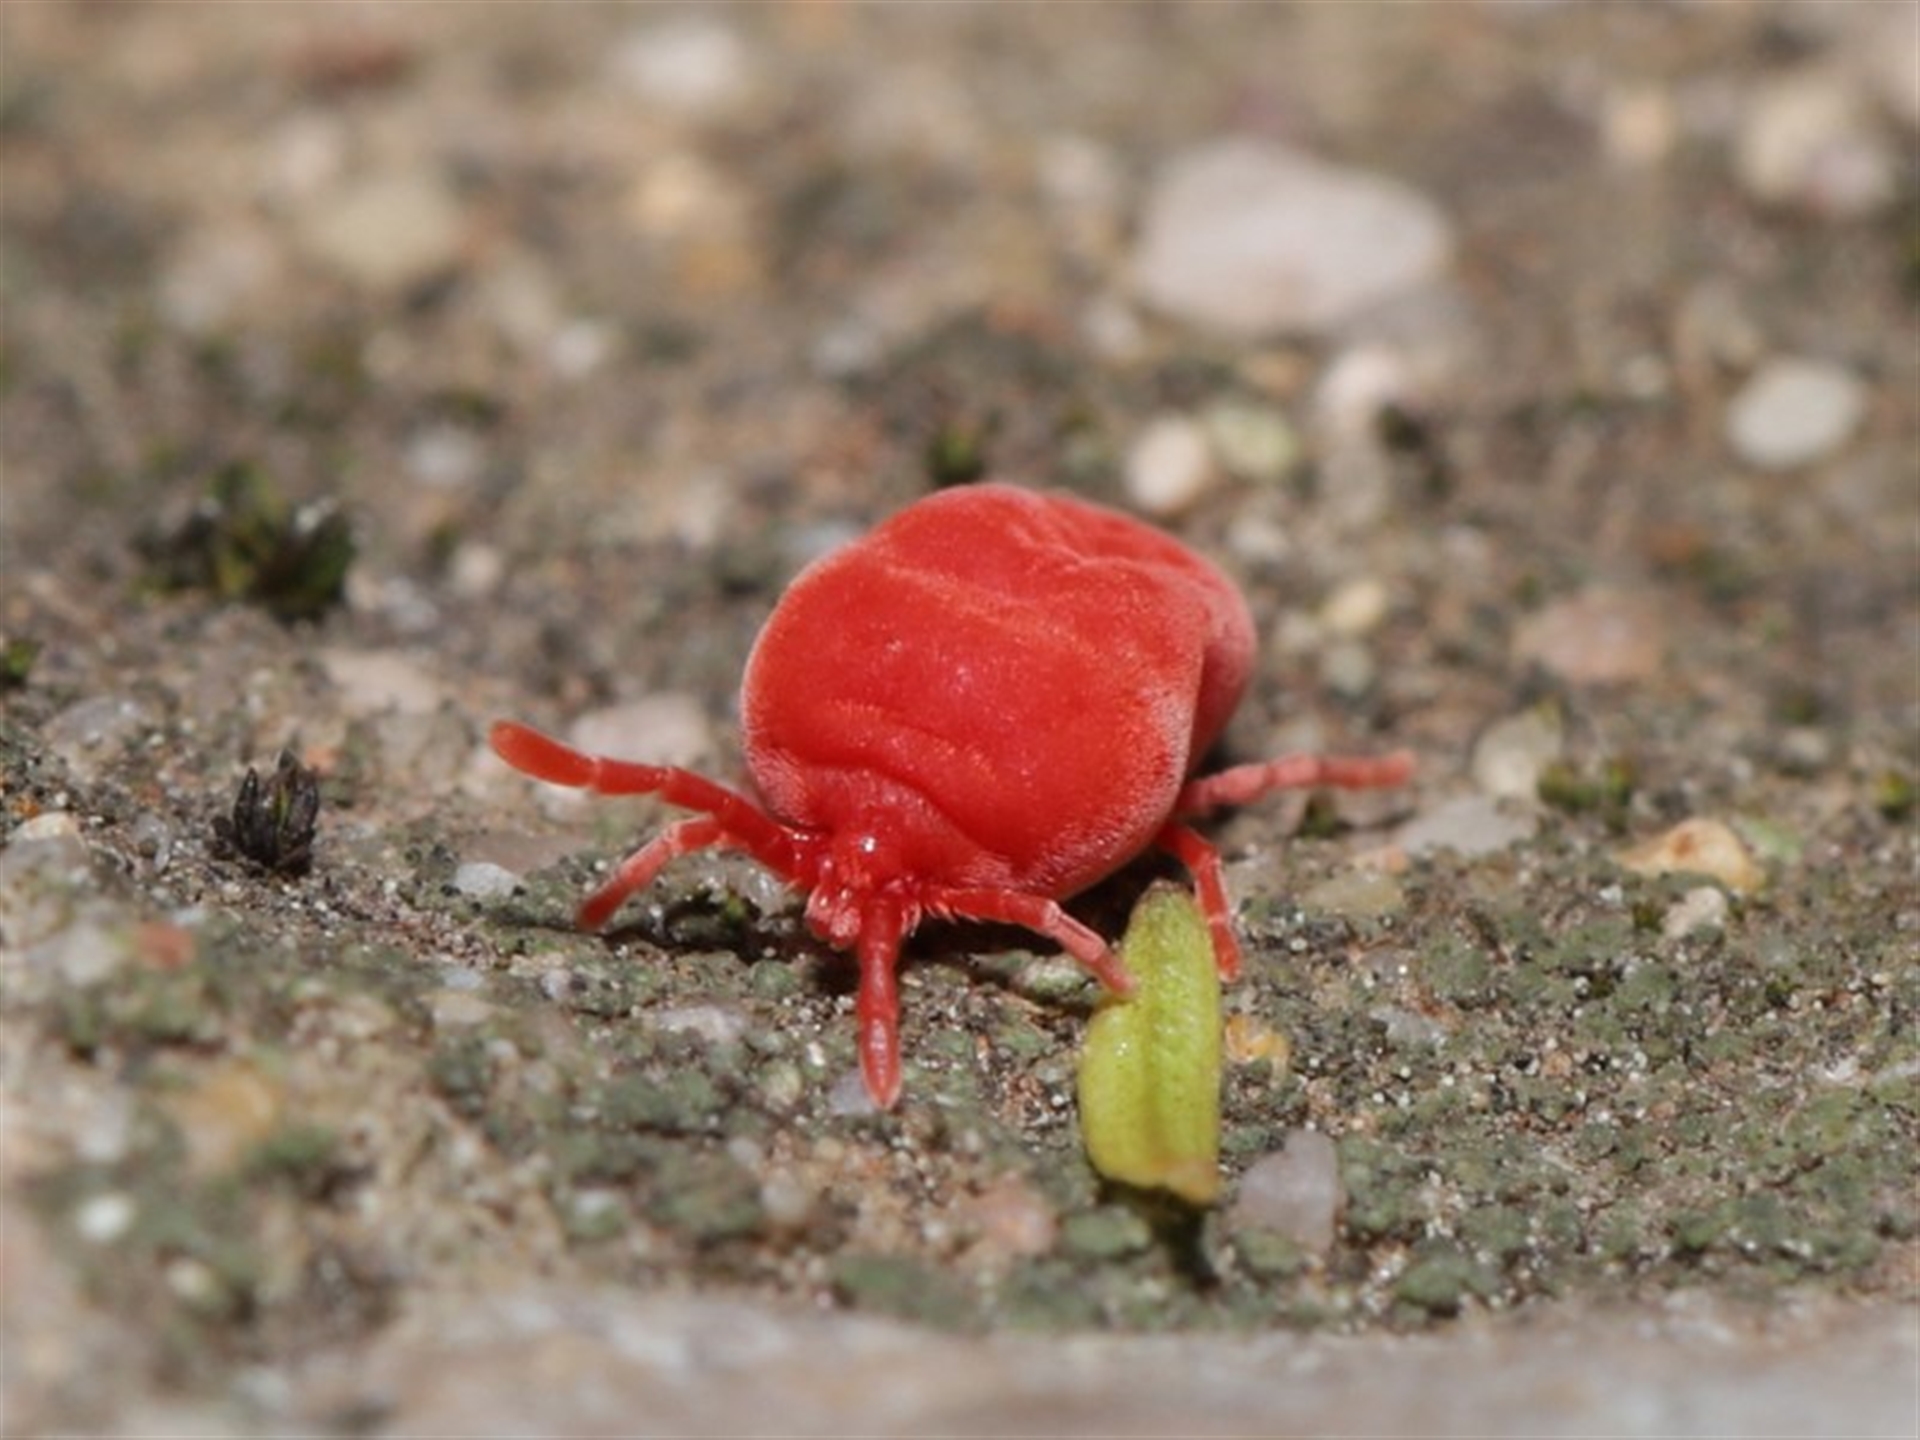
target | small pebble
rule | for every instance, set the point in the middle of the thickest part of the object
(1347, 668)
(1356, 894)
(1251, 238)
(1247, 1040)
(1808, 141)
(153, 838)
(1356, 470)
(1295, 1191)
(581, 347)
(1638, 123)
(196, 1284)
(679, 195)
(1513, 752)
(378, 682)
(103, 1219)
(715, 1024)
(848, 1095)
(1794, 411)
(1705, 907)
(483, 881)
(445, 457)
(782, 1086)
(217, 276)
(92, 734)
(85, 953)
(1409, 1027)
(1697, 847)
(458, 1009)
(669, 727)
(45, 879)
(476, 570)
(1108, 1232)
(1253, 442)
(1356, 607)
(1714, 326)
(388, 232)
(48, 825)
(694, 64)
(1469, 825)
(787, 1201)
(1011, 1219)
(1169, 467)
(1599, 637)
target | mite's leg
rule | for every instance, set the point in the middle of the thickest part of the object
(728, 819)
(1045, 917)
(636, 872)
(877, 1008)
(545, 758)
(1293, 772)
(1203, 863)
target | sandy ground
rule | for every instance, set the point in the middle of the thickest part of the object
(372, 372)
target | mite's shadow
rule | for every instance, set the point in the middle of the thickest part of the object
(729, 911)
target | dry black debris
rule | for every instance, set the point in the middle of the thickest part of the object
(273, 824)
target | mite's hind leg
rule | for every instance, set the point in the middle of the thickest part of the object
(1293, 772)
(1197, 853)
(1044, 917)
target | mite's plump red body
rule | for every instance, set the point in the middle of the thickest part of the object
(993, 700)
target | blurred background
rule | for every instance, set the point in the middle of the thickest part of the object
(1545, 372)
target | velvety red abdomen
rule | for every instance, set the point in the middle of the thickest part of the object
(1038, 673)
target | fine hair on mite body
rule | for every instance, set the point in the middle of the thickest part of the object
(992, 700)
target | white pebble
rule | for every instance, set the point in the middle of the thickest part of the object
(457, 1010)
(717, 1025)
(848, 1095)
(1295, 1191)
(1793, 412)
(1511, 753)
(1254, 442)
(1601, 636)
(787, 1200)
(102, 1219)
(1251, 238)
(1347, 668)
(85, 953)
(693, 64)
(217, 275)
(445, 457)
(380, 682)
(1169, 466)
(1705, 907)
(1807, 141)
(483, 881)
(668, 728)
(48, 825)
(88, 735)
(1356, 607)
(1470, 825)
(387, 232)
(476, 570)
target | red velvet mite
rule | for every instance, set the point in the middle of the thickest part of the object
(991, 701)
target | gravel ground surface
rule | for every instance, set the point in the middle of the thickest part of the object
(1547, 374)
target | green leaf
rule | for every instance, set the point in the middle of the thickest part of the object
(1150, 1068)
